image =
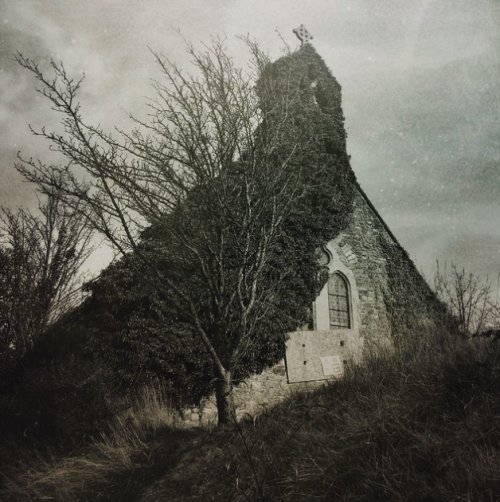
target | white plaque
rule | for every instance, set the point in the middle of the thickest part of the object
(331, 365)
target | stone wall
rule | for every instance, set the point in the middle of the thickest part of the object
(252, 397)
(358, 248)
(393, 295)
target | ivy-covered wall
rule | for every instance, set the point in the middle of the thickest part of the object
(394, 298)
(319, 96)
(390, 299)
(394, 301)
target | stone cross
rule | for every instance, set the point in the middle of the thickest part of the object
(303, 35)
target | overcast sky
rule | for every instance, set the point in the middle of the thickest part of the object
(420, 81)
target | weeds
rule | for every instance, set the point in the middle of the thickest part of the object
(417, 423)
(90, 472)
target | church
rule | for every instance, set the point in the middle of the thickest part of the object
(373, 294)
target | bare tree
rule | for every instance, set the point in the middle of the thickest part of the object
(470, 300)
(40, 261)
(200, 194)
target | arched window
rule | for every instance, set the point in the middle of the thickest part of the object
(324, 257)
(338, 302)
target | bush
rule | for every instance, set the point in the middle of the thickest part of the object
(56, 405)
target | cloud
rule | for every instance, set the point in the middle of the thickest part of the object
(420, 80)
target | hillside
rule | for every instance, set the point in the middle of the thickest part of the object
(418, 424)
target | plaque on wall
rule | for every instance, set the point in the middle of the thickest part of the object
(314, 355)
(331, 365)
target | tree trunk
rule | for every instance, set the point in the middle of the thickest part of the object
(224, 398)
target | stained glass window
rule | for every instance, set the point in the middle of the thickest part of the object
(338, 302)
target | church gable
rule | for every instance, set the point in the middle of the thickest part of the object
(373, 292)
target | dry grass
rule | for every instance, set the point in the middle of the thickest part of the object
(419, 423)
(150, 410)
(90, 472)
(68, 478)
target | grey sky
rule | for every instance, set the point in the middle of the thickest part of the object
(420, 80)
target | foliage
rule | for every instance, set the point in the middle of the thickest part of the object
(40, 260)
(424, 308)
(56, 404)
(134, 331)
(469, 299)
(224, 195)
(60, 393)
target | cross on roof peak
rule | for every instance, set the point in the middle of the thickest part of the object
(303, 35)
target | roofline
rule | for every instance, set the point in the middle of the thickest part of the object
(377, 214)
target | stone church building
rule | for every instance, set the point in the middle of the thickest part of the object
(373, 296)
